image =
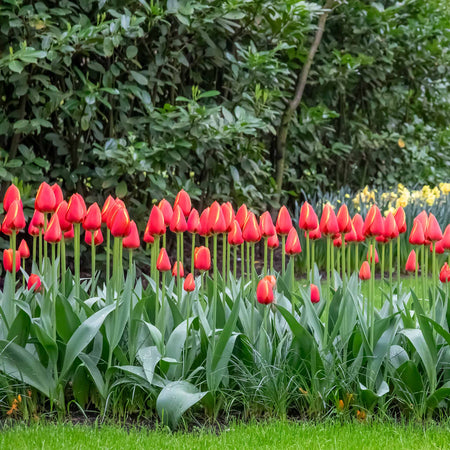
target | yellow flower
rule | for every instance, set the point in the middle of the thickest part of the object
(401, 143)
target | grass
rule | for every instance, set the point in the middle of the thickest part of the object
(273, 434)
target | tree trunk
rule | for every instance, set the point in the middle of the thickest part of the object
(293, 104)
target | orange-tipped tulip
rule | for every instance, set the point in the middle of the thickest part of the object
(183, 201)
(417, 236)
(390, 227)
(156, 225)
(98, 237)
(166, 209)
(373, 225)
(284, 222)
(241, 215)
(8, 260)
(433, 231)
(235, 234)
(308, 218)
(53, 233)
(61, 211)
(93, 219)
(107, 207)
(444, 274)
(178, 223)
(120, 226)
(216, 220)
(189, 283)
(315, 294)
(132, 239)
(175, 269)
(204, 217)
(251, 231)
(45, 199)
(76, 209)
(344, 220)
(34, 282)
(202, 258)
(193, 222)
(264, 292)
(163, 262)
(292, 246)
(400, 219)
(11, 194)
(369, 255)
(266, 225)
(14, 219)
(328, 222)
(271, 279)
(23, 249)
(358, 224)
(364, 272)
(273, 241)
(411, 262)
(228, 214)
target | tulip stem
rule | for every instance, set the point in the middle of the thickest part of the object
(13, 245)
(224, 257)
(253, 266)
(207, 241)
(228, 259)
(308, 261)
(23, 275)
(192, 254)
(283, 254)
(163, 306)
(292, 261)
(34, 249)
(328, 268)
(343, 259)
(313, 251)
(338, 259)
(398, 265)
(130, 259)
(40, 250)
(178, 267)
(55, 276)
(45, 242)
(63, 264)
(271, 260)
(108, 253)
(349, 271)
(265, 255)
(242, 262)
(390, 276)
(214, 305)
(248, 261)
(422, 271)
(433, 315)
(383, 254)
(356, 257)
(372, 309)
(234, 262)
(181, 264)
(92, 263)
(332, 263)
(76, 243)
(416, 275)
(156, 277)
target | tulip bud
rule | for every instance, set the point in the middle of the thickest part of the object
(390, 227)
(417, 236)
(178, 223)
(202, 258)
(351, 236)
(8, 260)
(37, 219)
(446, 238)
(400, 219)
(411, 262)
(204, 218)
(328, 222)
(11, 194)
(344, 220)
(156, 225)
(364, 272)
(132, 239)
(308, 219)
(69, 234)
(163, 262)
(57, 191)
(183, 201)
(271, 279)
(167, 211)
(24, 250)
(444, 274)
(228, 214)
(193, 222)
(284, 222)
(373, 225)
(273, 241)
(148, 238)
(433, 231)
(45, 199)
(264, 292)
(266, 225)
(251, 231)
(107, 207)
(61, 212)
(93, 219)
(235, 234)
(53, 233)
(337, 241)
(34, 282)
(241, 215)
(292, 246)
(76, 209)
(14, 219)
(33, 231)
(175, 270)
(98, 237)
(315, 234)
(216, 220)
(369, 255)
(358, 224)
(189, 283)
(423, 219)
(315, 294)
(438, 247)
(120, 226)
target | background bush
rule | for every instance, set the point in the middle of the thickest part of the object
(140, 98)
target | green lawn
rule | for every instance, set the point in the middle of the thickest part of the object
(276, 434)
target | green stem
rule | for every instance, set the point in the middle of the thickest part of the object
(424, 275)
(416, 275)
(328, 268)
(332, 264)
(224, 258)
(108, 253)
(372, 309)
(271, 260)
(343, 259)
(34, 249)
(40, 250)
(156, 278)
(76, 243)
(313, 259)
(383, 254)
(92, 264)
(228, 259)
(248, 261)
(214, 305)
(391, 251)
(357, 257)
(163, 306)
(130, 259)
(54, 273)
(234, 261)
(308, 261)
(63, 264)
(178, 278)
(433, 315)
(349, 270)
(283, 254)
(192, 254)
(265, 255)
(13, 244)
(292, 261)
(242, 262)
(338, 259)
(398, 265)
(45, 229)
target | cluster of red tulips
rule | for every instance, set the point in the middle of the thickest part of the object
(56, 221)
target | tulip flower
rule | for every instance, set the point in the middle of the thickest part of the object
(400, 219)
(444, 274)
(373, 225)
(193, 222)
(423, 219)
(57, 191)
(45, 201)
(446, 238)
(38, 219)
(76, 209)
(228, 214)
(23, 250)
(438, 247)
(120, 223)
(369, 255)
(8, 260)
(315, 294)
(364, 273)
(264, 292)
(308, 218)
(267, 229)
(14, 219)
(216, 219)
(53, 234)
(235, 239)
(70, 234)
(166, 209)
(107, 207)
(156, 224)
(417, 236)
(433, 231)
(61, 211)
(344, 220)
(98, 237)
(328, 222)
(204, 230)
(202, 258)
(293, 243)
(178, 225)
(132, 241)
(272, 244)
(184, 201)
(33, 231)
(189, 283)
(34, 282)
(251, 234)
(411, 262)
(271, 279)
(163, 262)
(390, 227)
(175, 270)
(93, 219)
(283, 226)
(241, 215)
(11, 194)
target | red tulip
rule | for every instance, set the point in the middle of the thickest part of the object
(69, 234)
(439, 247)
(45, 199)
(369, 255)
(292, 246)
(148, 238)
(251, 231)
(400, 219)
(344, 220)
(178, 223)
(364, 272)
(23, 249)
(183, 201)
(163, 262)
(132, 239)
(241, 215)
(202, 258)
(98, 237)
(444, 274)
(315, 294)
(120, 223)
(390, 227)
(308, 218)
(351, 236)
(381, 238)
(446, 238)
(417, 236)
(266, 225)
(337, 242)
(93, 219)
(14, 219)
(433, 231)
(33, 231)
(166, 209)
(284, 222)
(216, 220)
(328, 222)
(34, 282)
(193, 222)
(411, 262)
(8, 260)
(271, 279)
(61, 211)
(373, 225)
(53, 233)
(175, 270)
(59, 197)
(189, 283)
(204, 230)
(38, 219)
(264, 292)
(107, 207)
(358, 224)
(235, 234)
(228, 214)
(314, 235)
(156, 225)
(423, 219)
(76, 209)
(273, 241)
(11, 194)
